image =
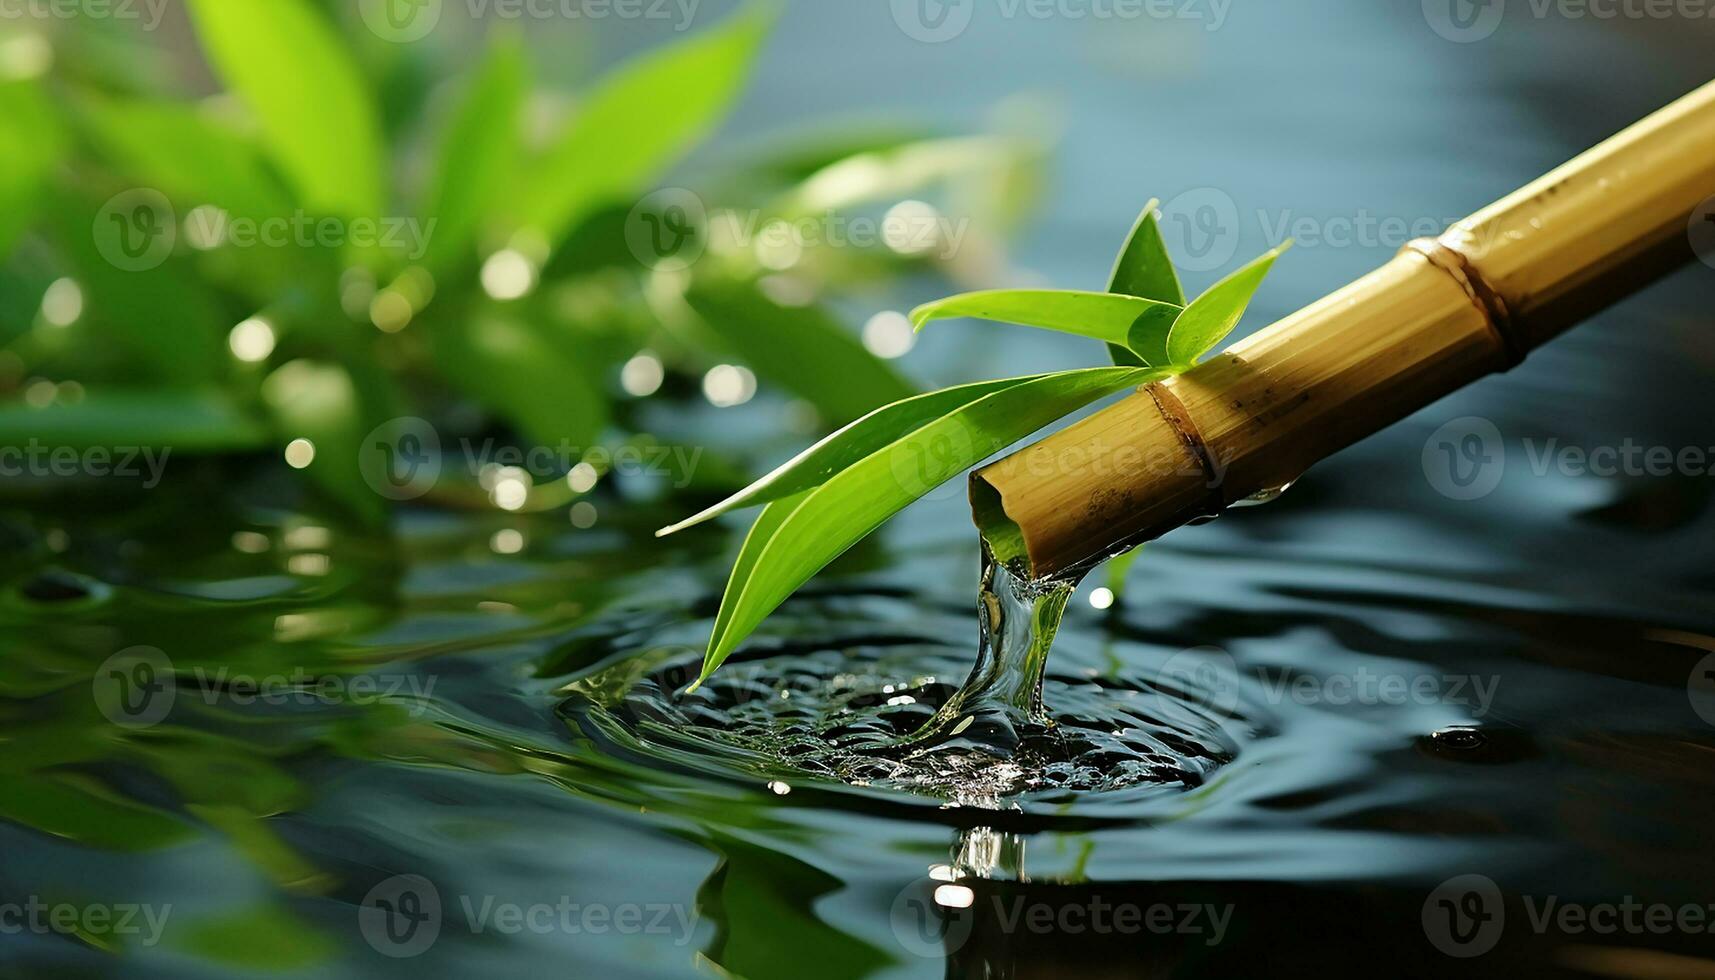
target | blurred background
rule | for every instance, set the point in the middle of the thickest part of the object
(350, 353)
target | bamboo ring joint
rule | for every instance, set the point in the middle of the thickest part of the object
(1485, 297)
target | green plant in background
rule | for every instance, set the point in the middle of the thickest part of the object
(844, 487)
(496, 274)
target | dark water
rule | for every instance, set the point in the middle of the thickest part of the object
(1372, 689)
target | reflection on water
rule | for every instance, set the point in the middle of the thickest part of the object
(309, 750)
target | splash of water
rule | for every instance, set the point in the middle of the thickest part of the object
(1001, 701)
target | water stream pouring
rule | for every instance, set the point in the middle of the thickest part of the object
(1442, 314)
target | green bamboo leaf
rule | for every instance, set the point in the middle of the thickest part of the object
(317, 113)
(1213, 315)
(890, 173)
(873, 432)
(168, 321)
(761, 532)
(549, 396)
(321, 402)
(180, 150)
(1140, 325)
(1145, 270)
(479, 151)
(802, 349)
(828, 520)
(639, 121)
(30, 143)
(178, 420)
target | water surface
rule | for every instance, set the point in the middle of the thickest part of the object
(1547, 636)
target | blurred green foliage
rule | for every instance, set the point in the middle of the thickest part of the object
(460, 245)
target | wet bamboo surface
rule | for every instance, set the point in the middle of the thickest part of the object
(1443, 313)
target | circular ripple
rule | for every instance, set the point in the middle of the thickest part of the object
(848, 716)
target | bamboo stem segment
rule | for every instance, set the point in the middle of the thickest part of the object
(1442, 314)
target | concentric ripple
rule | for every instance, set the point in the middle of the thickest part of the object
(888, 715)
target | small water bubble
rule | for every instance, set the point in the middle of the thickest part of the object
(1460, 737)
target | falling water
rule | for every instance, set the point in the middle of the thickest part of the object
(1001, 702)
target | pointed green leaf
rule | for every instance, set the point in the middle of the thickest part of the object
(171, 324)
(1213, 315)
(802, 349)
(1145, 270)
(1140, 325)
(639, 121)
(30, 143)
(873, 432)
(182, 151)
(320, 402)
(549, 396)
(479, 151)
(179, 420)
(317, 113)
(755, 541)
(894, 172)
(836, 515)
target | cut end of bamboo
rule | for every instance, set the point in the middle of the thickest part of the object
(1442, 314)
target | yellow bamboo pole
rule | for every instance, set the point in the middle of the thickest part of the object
(1440, 315)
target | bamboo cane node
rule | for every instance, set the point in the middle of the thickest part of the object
(1174, 413)
(1484, 296)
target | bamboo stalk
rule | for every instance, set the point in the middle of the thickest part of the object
(1440, 315)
